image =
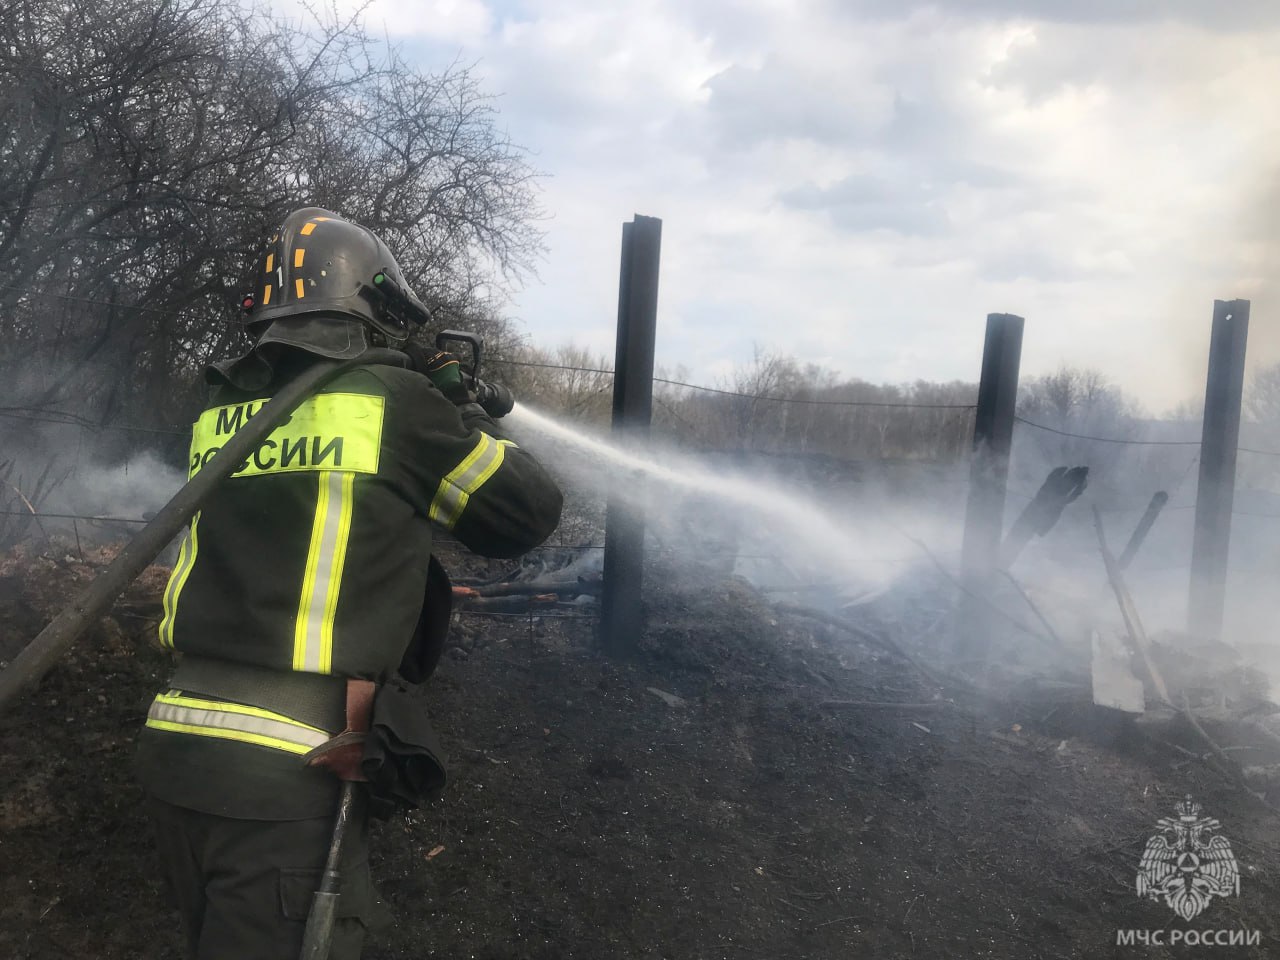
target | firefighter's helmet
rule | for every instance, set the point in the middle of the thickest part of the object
(323, 283)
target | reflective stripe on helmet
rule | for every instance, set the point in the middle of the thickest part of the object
(232, 721)
(309, 227)
(322, 580)
(465, 479)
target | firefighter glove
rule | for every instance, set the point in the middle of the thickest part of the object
(445, 372)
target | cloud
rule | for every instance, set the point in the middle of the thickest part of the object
(1232, 16)
(863, 182)
(775, 100)
(860, 203)
(458, 22)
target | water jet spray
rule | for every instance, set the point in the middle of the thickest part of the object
(803, 532)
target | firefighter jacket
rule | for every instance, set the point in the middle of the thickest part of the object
(309, 565)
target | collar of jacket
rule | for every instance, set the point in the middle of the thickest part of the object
(257, 369)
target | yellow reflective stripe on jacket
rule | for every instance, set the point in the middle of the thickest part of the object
(322, 579)
(232, 721)
(465, 479)
(330, 431)
(178, 580)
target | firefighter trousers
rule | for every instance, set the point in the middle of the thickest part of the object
(244, 887)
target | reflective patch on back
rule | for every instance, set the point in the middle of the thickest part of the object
(331, 431)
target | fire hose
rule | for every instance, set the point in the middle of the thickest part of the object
(317, 938)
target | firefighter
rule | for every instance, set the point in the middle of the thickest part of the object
(297, 599)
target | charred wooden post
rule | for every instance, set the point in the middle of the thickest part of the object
(1062, 486)
(988, 476)
(992, 441)
(620, 604)
(1216, 491)
(1158, 500)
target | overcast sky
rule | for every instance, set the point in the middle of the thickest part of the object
(860, 183)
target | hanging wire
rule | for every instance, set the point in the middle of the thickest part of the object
(755, 396)
(1119, 440)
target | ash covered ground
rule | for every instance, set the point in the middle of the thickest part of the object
(717, 795)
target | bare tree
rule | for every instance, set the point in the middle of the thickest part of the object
(1091, 422)
(148, 146)
(567, 382)
(1261, 402)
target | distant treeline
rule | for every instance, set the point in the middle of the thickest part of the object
(773, 404)
(1072, 417)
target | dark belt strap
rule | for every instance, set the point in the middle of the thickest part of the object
(310, 698)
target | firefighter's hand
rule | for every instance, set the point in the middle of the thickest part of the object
(445, 372)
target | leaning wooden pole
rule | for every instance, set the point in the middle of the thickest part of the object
(42, 653)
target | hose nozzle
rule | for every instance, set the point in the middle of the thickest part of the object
(496, 399)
